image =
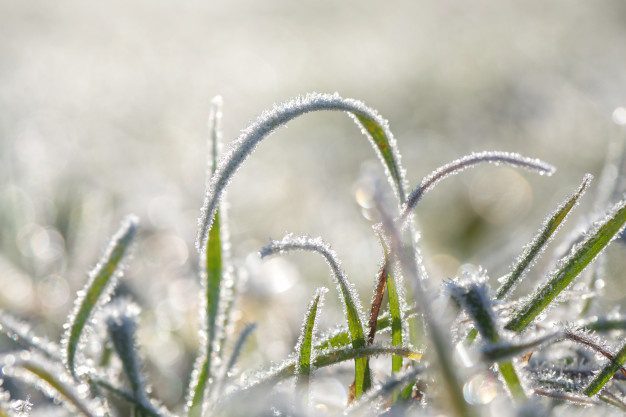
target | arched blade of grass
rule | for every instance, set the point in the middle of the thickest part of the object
(372, 124)
(96, 292)
(304, 348)
(121, 323)
(534, 249)
(54, 382)
(213, 260)
(606, 374)
(569, 268)
(347, 295)
(469, 161)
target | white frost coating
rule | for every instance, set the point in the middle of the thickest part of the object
(509, 283)
(269, 121)
(305, 243)
(212, 335)
(121, 322)
(34, 369)
(21, 333)
(121, 240)
(468, 161)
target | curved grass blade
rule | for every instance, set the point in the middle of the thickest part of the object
(347, 295)
(570, 267)
(534, 249)
(54, 382)
(304, 348)
(213, 271)
(121, 323)
(606, 374)
(102, 280)
(372, 124)
(22, 334)
(469, 161)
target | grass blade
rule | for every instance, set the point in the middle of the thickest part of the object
(570, 267)
(439, 338)
(347, 295)
(102, 280)
(341, 337)
(469, 161)
(121, 323)
(304, 348)
(472, 294)
(22, 334)
(54, 382)
(534, 249)
(606, 374)
(213, 271)
(372, 124)
(329, 358)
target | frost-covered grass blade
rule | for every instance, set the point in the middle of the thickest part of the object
(213, 260)
(101, 282)
(468, 161)
(347, 295)
(570, 267)
(304, 348)
(375, 127)
(534, 249)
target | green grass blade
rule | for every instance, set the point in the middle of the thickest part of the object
(304, 348)
(212, 270)
(347, 295)
(332, 357)
(396, 321)
(341, 338)
(606, 374)
(101, 282)
(570, 267)
(534, 249)
(54, 382)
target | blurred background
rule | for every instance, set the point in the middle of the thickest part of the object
(103, 112)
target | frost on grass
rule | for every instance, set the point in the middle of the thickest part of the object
(468, 161)
(121, 323)
(533, 250)
(54, 382)
(21, 333)
(568, 268)
(97, 291)
(372, 125)
(216, 276)
(347, 294)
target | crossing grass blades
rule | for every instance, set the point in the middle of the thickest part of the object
(543, 351)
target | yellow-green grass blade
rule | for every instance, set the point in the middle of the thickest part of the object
(97, 290)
